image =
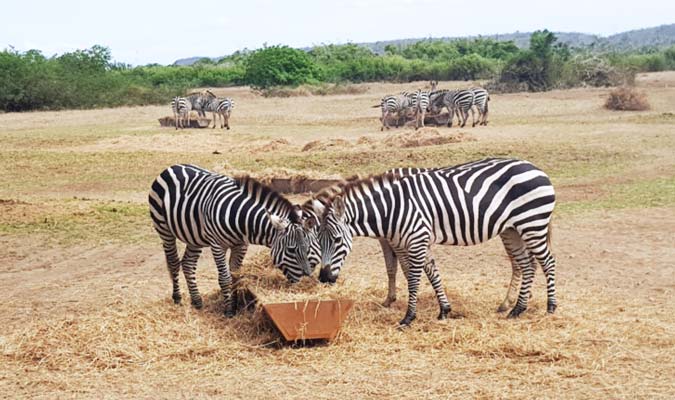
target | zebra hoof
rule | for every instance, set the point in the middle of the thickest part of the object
(551, 308)
(445, 310)
(176, 298)
(515, 313)
(197, 303)
(503, 307)
(406, 321)
(229, 313)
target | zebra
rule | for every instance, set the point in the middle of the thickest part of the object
(457, 102)
(199, 100)
(222, 107)
(463, 205)
(181, 110)
(393, 105)
(481, 97)
(421, 104)
(389, 255)
(205, 209)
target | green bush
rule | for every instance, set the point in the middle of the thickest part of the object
(280, 65)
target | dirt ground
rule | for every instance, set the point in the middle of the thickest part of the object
(87, 310)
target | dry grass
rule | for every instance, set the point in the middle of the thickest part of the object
(87, 309)
(627, 99)
(424, 137)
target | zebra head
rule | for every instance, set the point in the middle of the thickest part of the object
(295, 247)
(335, 237)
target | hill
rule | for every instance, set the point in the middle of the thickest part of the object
(660, 36)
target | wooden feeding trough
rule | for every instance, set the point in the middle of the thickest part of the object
(304, 311)
(194, 122)
(306, 320)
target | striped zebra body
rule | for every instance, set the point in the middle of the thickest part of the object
(181, 111)
(422, 103)
(200, 100)
(461, 205)
(481, 97)
(397, 105)
(457, 102)
(205, 209)
(221, 107)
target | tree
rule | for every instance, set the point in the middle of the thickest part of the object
(279, 65)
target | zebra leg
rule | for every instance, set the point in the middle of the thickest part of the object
(173, 264)
(237, 254)
(451, 112)
(520, 259)
(473, 117)
(226, 120)
(224, 279)
(390, 263)
(415, 264)
(189, 263)
(188, 118)
(540, 247)
(214, 115)
(465, 116)
(435, 280)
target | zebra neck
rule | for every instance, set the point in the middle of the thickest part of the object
(364, 216)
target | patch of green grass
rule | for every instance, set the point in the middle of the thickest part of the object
(659, 192)
(79, 221)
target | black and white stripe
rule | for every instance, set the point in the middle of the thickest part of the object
(396, 105)
(481, 97)
(181, 108)
(205, 209)
(457, 102)
(461, 205)
(220, 107)
(199, 100)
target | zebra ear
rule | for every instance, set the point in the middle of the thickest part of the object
(339, 207)
(318, 207)
(277, 222)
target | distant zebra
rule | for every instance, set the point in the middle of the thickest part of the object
(393, 105)
(220, 107)
(421, 104)
(181, 108)
(457, 102)
(481, 97)
(205, 209)
(199, 100)
(461, 205)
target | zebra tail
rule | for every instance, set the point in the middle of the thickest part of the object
(376, 106)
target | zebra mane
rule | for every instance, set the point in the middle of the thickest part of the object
(253, 186)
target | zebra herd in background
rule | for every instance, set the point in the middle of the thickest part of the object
(419, 102)
(407, 209)
(202, 102)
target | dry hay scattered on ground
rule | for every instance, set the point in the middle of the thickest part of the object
(425, 137)
(326, 144)
(627, 99)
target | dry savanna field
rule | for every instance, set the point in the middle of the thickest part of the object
(87, 310)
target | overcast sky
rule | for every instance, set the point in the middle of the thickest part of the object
(141, 32)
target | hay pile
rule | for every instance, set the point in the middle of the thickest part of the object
(327, 144)
(424, 137)
(273, 145)
(627, 99)
(268, 284)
